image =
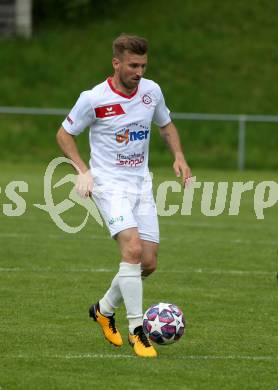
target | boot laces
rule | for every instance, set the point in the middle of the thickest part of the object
(143, 338)
(112, 325)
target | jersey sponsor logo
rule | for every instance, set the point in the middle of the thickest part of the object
(127, 136)
(107, 111)
(131, 160)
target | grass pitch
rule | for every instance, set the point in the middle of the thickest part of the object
(220, 270)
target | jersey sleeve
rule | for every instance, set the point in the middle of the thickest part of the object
(161, 115)
(80, 116)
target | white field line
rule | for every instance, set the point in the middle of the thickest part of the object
(179, 271)
(12, 235)
(175, 238)
(205, 225)
(57, 236)
(236, 241)
(208, 225)
(49, 269)
(89, 355)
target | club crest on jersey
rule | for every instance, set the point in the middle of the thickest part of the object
(126, 136)
(146, 99)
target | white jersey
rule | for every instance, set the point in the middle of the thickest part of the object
(120, 127)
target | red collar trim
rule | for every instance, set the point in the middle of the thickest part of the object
(109, 80)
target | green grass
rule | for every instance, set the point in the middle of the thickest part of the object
(220, 270)
(208, 57)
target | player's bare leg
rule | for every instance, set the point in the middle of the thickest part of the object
(149, 257)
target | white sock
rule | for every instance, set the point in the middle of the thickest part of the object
(112, 298)
(105, 308)
(133, 323)
(130, 283)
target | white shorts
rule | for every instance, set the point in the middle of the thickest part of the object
(122, 210)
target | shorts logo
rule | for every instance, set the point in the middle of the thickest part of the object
(126, 135)
(116, 219)
(146, 99)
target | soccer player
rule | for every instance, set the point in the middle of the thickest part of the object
(120, 111)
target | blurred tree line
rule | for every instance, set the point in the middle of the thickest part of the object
(73, 10)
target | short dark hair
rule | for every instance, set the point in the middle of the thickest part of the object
(131, 43)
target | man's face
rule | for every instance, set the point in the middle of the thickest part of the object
(130, 68)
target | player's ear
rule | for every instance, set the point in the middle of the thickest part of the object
(115, 63)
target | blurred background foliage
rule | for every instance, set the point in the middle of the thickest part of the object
(73, 10)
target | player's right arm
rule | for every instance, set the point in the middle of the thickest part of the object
(68, 146)
(84, 183)
(80, 117)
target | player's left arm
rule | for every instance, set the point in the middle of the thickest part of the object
(171, 136)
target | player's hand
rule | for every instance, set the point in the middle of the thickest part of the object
(84, 184)
(182, 169)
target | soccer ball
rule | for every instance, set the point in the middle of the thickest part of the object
(164, 323)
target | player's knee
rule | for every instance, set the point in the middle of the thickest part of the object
(134, 251)
(152, 268)
(149, 267)
(148, 271)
